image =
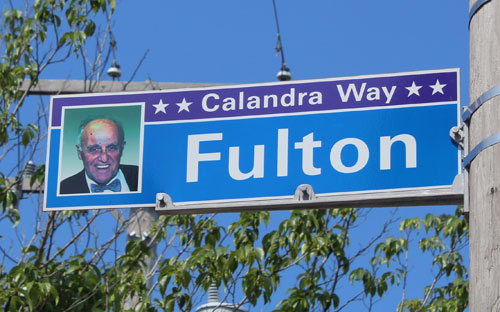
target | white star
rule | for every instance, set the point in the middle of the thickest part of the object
(184, 105)
(437, 87)
(160, 107)
(413, 89)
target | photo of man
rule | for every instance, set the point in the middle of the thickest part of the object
(100, 146)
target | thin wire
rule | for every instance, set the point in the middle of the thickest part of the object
(18, 146)
(279, 46)
(112, 43)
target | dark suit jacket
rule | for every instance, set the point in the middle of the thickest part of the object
(77, 184)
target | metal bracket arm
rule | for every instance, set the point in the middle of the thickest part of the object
(164, 201)
(457, 135)
(304, 192)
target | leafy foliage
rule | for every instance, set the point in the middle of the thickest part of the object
(245, 259)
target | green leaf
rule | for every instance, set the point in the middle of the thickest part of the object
(28, 135)
(89, 29)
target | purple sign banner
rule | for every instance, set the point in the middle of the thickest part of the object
(363, 92)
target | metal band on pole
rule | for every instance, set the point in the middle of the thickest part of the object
(475, 8)
(490, 141)
(488, 95)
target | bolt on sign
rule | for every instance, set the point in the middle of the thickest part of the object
(374, 140)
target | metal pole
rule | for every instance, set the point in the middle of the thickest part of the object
(140, 222)
(59, 87)
(484, 170)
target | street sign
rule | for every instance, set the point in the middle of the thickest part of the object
(352, 141)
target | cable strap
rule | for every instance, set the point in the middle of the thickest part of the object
(488, 95)
(492, 140)
(475, 8)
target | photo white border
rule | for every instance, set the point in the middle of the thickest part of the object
(141, 144)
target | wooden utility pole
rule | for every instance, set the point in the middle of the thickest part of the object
(484, 170)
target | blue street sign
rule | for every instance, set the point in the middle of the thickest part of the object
(234, 146)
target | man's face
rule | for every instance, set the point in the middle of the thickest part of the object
(101, 150)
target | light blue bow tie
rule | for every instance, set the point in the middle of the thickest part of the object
(114, 186)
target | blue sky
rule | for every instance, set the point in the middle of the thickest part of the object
(233, 41)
